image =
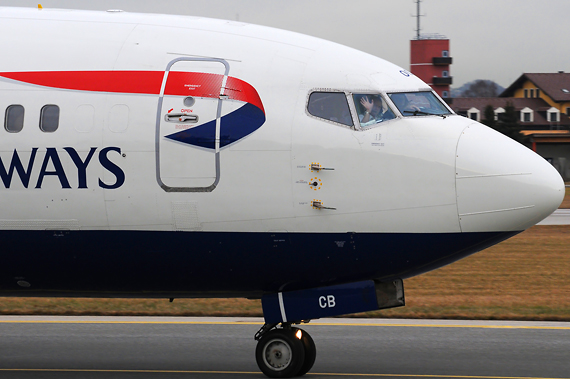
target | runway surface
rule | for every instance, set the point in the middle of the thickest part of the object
(559, 217)
(142, 347)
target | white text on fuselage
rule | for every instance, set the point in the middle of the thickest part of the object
(52, 166)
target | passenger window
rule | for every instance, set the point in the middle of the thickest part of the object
(331, 106)
(49, 118)
(14, 121)
(372, 109)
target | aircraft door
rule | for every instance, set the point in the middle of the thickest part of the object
(188, 124)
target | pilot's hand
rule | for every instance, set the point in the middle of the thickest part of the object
(366, 103)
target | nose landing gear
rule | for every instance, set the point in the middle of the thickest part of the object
(284, 352)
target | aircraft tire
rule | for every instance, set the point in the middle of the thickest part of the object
(279, 354)
(310, 352)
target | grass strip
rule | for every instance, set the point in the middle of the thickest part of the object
(566, 202)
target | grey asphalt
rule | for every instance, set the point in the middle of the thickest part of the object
(141, 347)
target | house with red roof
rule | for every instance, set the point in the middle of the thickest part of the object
(553, 88)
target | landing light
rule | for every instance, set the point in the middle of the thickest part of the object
(299, 334)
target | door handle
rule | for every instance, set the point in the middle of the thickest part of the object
(181, 118)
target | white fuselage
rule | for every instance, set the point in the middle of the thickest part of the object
(108, 166)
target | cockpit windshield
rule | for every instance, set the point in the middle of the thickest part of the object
(418, 104)
(372, 109)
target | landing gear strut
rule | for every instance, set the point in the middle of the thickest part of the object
(284, 352)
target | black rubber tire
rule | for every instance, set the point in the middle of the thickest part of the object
(310, 352)
(279, 354)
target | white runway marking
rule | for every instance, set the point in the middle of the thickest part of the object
(559, 217)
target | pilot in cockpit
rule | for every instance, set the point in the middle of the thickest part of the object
(404, 105)
(373, 110)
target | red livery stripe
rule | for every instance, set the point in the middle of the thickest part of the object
(198, 84)
(141, 82)
(148, 82)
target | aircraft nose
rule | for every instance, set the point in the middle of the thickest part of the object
(502, 185)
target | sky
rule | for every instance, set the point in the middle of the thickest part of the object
(489, 39)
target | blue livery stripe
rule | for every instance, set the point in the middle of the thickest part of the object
(233, 127)
(223, 264)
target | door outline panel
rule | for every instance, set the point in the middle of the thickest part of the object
(211, 187)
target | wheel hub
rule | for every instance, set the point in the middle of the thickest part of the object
(277, 355)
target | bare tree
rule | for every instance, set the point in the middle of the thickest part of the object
(482, 88)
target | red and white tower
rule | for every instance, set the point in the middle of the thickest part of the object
(430, 60)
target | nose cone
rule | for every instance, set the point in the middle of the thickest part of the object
(502, 185)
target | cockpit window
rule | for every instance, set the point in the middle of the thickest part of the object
(331, 106)
(372, 109)
(418, 104)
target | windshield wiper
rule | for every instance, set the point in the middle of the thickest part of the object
(415, 113)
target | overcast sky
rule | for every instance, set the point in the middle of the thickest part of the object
(489, 39)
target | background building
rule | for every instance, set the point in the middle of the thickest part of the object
(430, 61)
(532, 113)
(553, 88)
(542, 105)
